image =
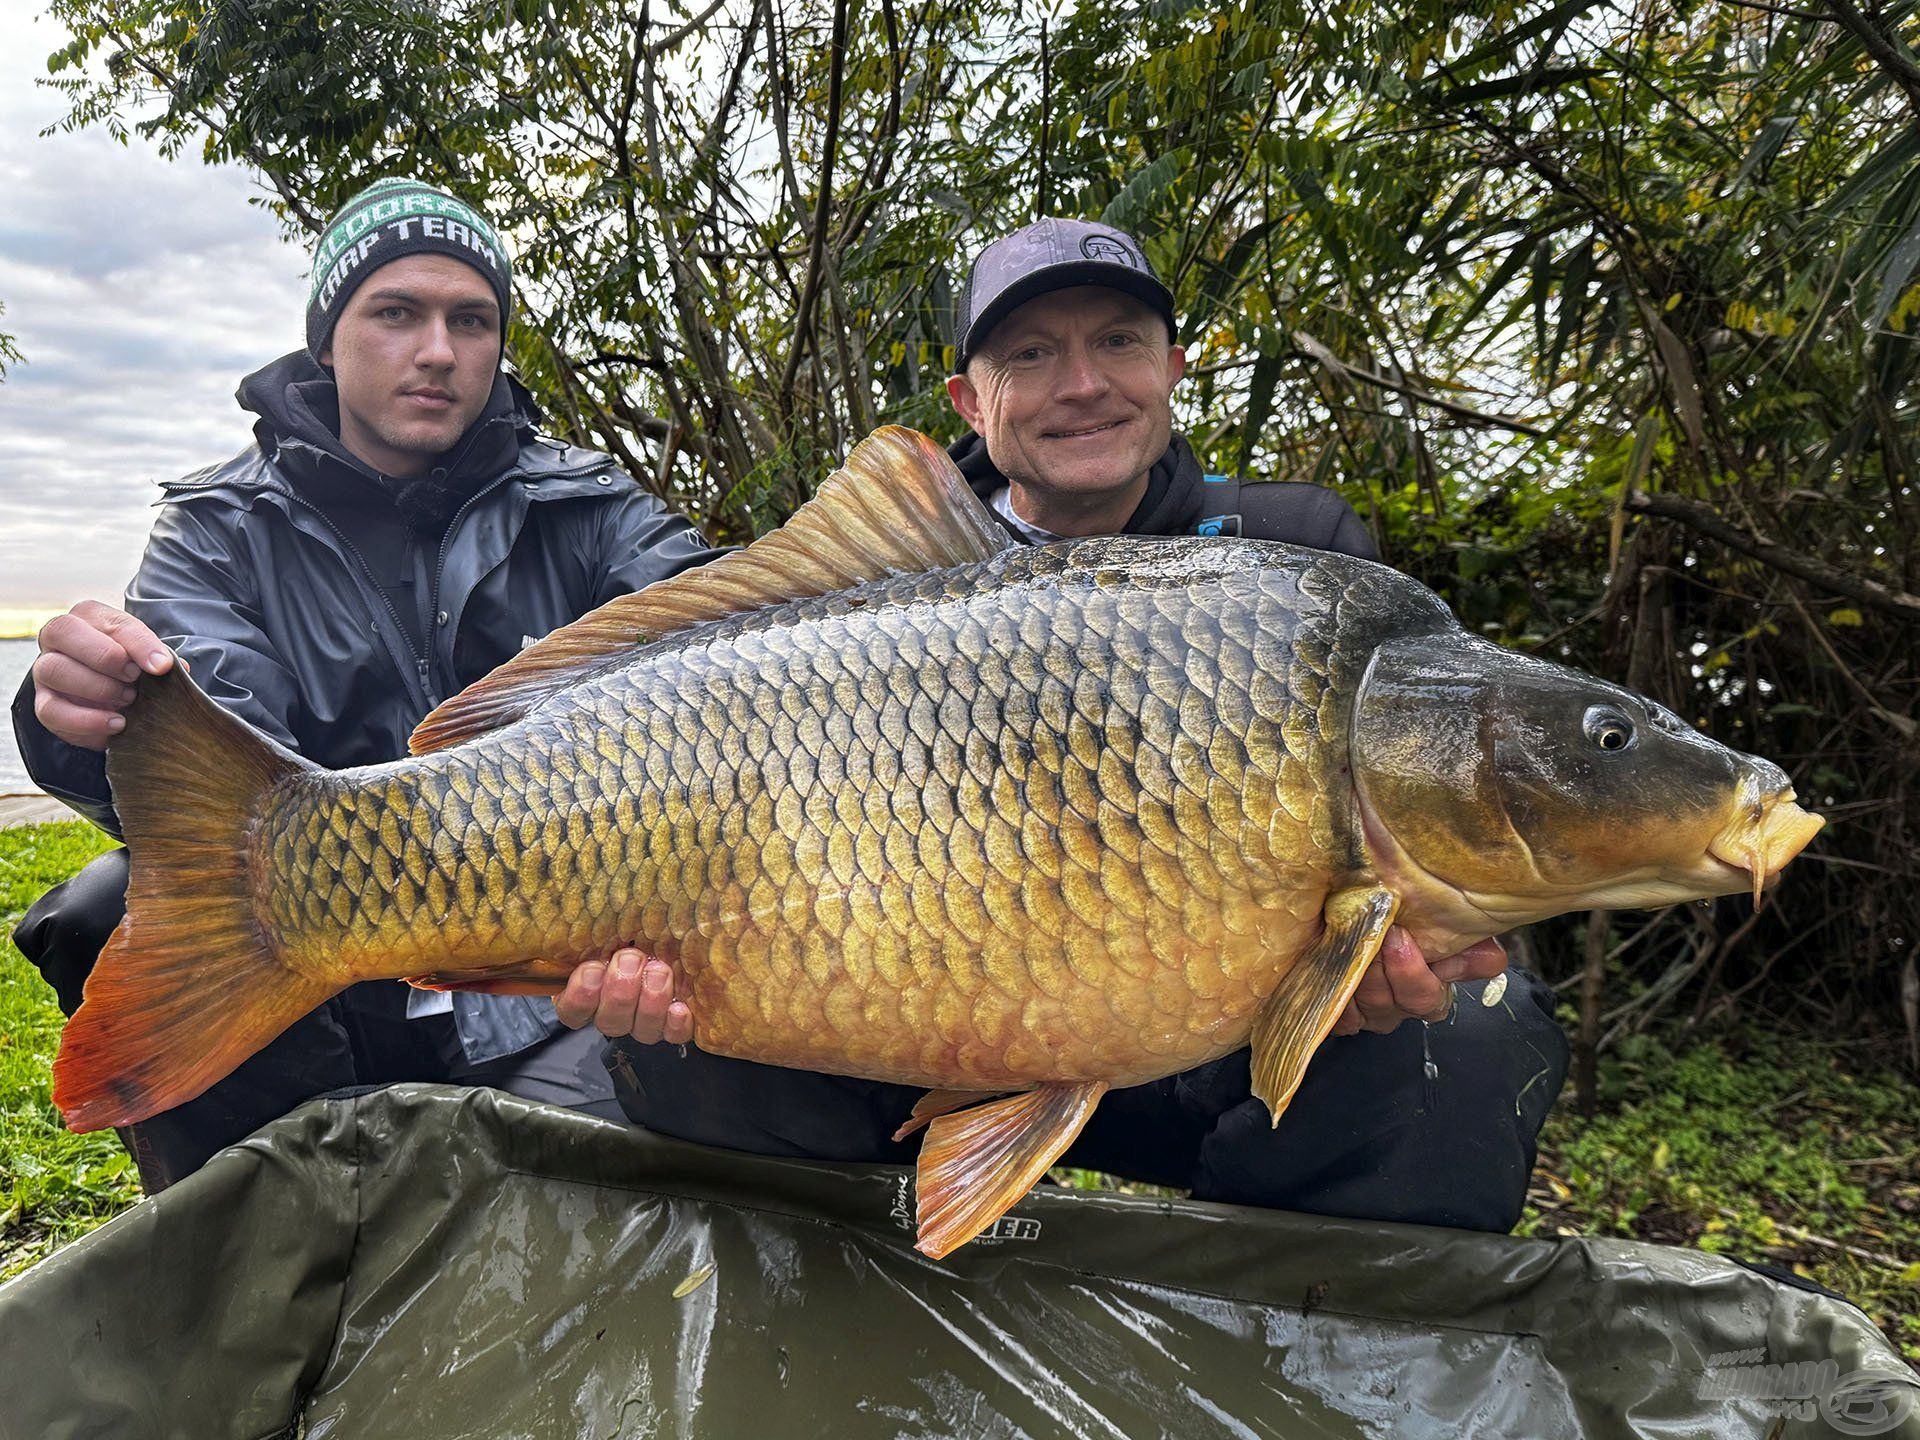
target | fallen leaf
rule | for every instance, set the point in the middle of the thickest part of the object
(693, 1282)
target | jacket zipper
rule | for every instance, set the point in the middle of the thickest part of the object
(439, 572)
(419, 661)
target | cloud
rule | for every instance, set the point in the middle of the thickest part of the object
(140, 290)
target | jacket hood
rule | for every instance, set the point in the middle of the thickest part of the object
(1170, 507)
(298, 428)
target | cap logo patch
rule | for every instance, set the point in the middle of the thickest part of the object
(1105, 247)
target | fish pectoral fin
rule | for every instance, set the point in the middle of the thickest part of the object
(521, 977)
(940, 1102)
(1310, 997)
(897, 507)
(975, 1165)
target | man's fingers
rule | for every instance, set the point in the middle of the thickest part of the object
(620, 994)
(139, 643)
(576, 1004)
(1400, 985)
(67, 677)
(1481, 961)
(1416, 989)
(679, 1027)
(626, 995)
(1373, 993)
(650, 1010)
(80, 725)
(73, 637)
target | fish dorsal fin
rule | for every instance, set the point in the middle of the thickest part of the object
(897, 507)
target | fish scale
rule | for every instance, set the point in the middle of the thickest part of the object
(1016, 797)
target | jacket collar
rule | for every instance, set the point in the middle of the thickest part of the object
(297, 447)
(299, 429)
(1170, 507)
(546, 469)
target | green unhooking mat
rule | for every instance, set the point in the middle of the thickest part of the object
(425, 1264)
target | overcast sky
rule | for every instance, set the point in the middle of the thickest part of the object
(140, 290)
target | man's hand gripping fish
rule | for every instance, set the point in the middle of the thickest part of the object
(900, 799)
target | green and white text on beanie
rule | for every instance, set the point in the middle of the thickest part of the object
(389, 219)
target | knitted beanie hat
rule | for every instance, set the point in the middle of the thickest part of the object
(389, 219)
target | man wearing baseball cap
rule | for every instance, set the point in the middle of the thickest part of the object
(397, 529)
(1067, 355)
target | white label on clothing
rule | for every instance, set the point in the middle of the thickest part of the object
(422, 1003)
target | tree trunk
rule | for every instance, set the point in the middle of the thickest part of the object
(1586, 1045)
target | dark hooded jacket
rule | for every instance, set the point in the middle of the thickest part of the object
(332, 607)
(1177, 500)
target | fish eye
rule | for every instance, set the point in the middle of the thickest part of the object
(1608, 728)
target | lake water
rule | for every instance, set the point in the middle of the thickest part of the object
(15, 658)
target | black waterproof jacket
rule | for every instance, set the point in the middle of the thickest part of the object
(251, 574)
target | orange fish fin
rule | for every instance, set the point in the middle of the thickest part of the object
(188, 986)
(940, 1102)
(548, 988)
(163, 1018)
(1310, 996)
(522, 977)
(975, 1165)
(898, 506)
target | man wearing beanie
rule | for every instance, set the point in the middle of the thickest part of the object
(397, 529)
(1067, 360)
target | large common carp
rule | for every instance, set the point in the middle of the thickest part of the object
(902, 800)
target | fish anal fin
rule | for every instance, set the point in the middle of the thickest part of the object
(1311, 995)
(940, 1102)
(975, 1164)
(897, 507)
(522, 977)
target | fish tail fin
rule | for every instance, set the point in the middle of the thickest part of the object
(189, 985)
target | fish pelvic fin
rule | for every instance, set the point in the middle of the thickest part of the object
(1310, 996)
(976, 1164)
(939, 1102)
(189, 985)
(898, 506)
(522, 977)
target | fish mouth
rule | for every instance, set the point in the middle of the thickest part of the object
(1766, 832)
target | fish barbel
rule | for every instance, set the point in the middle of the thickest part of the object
(900, 799)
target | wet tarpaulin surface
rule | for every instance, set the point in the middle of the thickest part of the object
(428, 1264)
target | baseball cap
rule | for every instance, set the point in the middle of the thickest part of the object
(1051, 255)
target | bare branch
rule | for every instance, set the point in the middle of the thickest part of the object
(1887, 53)
(823, 205)
(1318, 352)
(673, 38)
(1701, 517)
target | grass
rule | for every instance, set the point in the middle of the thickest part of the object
(53, 1186)
(1787, 1150)
(1791, 1151)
